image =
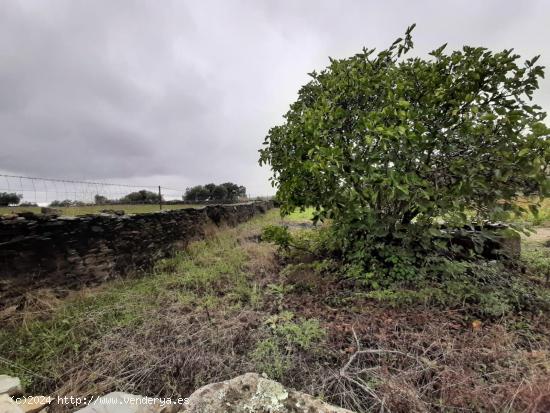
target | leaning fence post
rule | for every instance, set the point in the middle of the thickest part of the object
(160, 199)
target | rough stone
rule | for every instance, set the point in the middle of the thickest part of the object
(57, 252)
(7, 405)
(27, 215)
(10, 385)
(50, 211)
(113, 211)
(510, 243)
(251, 393)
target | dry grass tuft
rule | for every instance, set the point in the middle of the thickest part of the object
(174, 353)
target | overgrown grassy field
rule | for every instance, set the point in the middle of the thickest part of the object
(543, 216)
(94, 209)
(232, 304)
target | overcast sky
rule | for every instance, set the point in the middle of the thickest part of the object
(183, 92)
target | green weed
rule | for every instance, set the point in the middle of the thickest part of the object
(286, 337)
(487, 289)
(298, 215)
(95, 209)
(537, 258)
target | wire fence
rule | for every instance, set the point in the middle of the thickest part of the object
(74, 197)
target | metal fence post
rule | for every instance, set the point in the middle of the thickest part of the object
(160, 199)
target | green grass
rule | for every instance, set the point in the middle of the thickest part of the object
(537, 258)
(298, 215)
(541, 219)
(35, 349)
(38, 349)
(543, 216)
(94, 209)
(284, 335)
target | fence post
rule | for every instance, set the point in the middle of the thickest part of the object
(160, 199)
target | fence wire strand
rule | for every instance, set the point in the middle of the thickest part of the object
(83, 196)
(76, 197)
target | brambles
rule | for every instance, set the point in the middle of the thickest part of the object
(481, 287)
(484, 289)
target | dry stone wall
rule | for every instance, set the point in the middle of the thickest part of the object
(49, 251)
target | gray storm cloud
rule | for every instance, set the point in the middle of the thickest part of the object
(181, 92)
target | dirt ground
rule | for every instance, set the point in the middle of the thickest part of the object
(540, 236)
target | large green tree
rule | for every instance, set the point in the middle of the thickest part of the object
(386, 145)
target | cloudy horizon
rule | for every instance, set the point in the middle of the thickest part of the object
(183, 93)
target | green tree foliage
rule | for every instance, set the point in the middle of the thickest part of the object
(234, 192)
(219, 193)
(196, 194)
(9, 198)
(101, 200)
(141, 197)
(210, 188)
(226, 192)
(386, 145)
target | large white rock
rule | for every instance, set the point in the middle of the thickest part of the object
(7, 405)
(10, 385)
(251, 393)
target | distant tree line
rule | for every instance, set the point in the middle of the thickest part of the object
(138, 197)
(10, 198)
(226, 192)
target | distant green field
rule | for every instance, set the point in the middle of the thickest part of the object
(543, 217)
(93, 209)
